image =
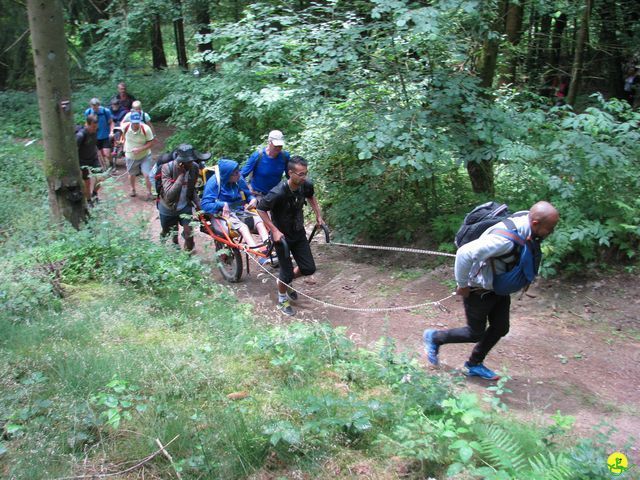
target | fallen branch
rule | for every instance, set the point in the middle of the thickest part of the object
(130, 469)
(166, 454)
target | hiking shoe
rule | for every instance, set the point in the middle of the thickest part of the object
(430, 346)
(286, 308)
(274, 262)
(479, 371)
(292, 294)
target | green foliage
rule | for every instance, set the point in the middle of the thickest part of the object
(20, 114)
(118, 401)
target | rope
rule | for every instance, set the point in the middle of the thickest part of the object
(391, 249)
(437, 303)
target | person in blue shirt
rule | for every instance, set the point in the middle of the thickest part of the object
(105, 130)
(266, 166)
(232, 199)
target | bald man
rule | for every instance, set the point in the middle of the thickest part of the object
(478, 263)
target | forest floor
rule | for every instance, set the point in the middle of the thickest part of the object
(573, 346)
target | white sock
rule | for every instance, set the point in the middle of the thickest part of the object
(281, 297)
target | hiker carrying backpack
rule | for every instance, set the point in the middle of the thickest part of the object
(516, 264)
(498, 254)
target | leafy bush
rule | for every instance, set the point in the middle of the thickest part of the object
(20, 114)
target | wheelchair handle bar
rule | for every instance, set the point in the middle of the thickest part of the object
(284, 244)
(324, 227)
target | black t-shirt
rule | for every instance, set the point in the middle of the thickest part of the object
(87, 149)
(286, 206)
(125, 102)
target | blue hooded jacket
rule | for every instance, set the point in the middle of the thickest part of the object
(214, 197)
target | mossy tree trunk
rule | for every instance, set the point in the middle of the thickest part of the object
(62, 169)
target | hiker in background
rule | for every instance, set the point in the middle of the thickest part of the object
(285, 202)
(178, 195)
(138, 139)
(227, 194)
(478, 267)
(137, 107)
(561, 89)
(88, 156)
(631, 82)
(124, 97)
(265, 167)
(105, 130)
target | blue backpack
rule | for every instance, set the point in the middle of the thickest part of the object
(523, 270)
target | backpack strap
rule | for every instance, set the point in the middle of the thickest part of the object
(510, 235)
(257, 164)
(216, 172)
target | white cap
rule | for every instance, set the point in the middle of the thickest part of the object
(276, 137)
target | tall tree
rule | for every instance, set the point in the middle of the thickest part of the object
(542, 42)
(61, 165)
(178, 30)
(556, 41)
(610, 47)
(578, 59)
(200, 10)
(157, 47)
(481, 172)
(513, 30)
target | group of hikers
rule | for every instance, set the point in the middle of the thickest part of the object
(271, 189)
(125, 127)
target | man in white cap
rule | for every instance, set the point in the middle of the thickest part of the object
(266, 166)
(136, 106)
(138, 139)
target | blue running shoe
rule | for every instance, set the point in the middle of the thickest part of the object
(479, 371)
(430, 346)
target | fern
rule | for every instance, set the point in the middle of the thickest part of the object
(503, 451)
(550, 467)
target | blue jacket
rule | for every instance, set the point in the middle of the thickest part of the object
(235, 194)
(269, 171)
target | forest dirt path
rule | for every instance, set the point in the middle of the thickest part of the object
(572, 347)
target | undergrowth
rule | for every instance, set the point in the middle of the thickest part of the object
(111, 343)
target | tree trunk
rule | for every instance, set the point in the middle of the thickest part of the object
(178, 30)
(542, 43)
(556, 41)
(157, 47)
(61, 165)
(481, 173)
(201, 10)
(513, 29)
(611, 48)
(578, 59)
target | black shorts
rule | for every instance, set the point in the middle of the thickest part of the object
(170, 223)
(104, 143)
(301, 251)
